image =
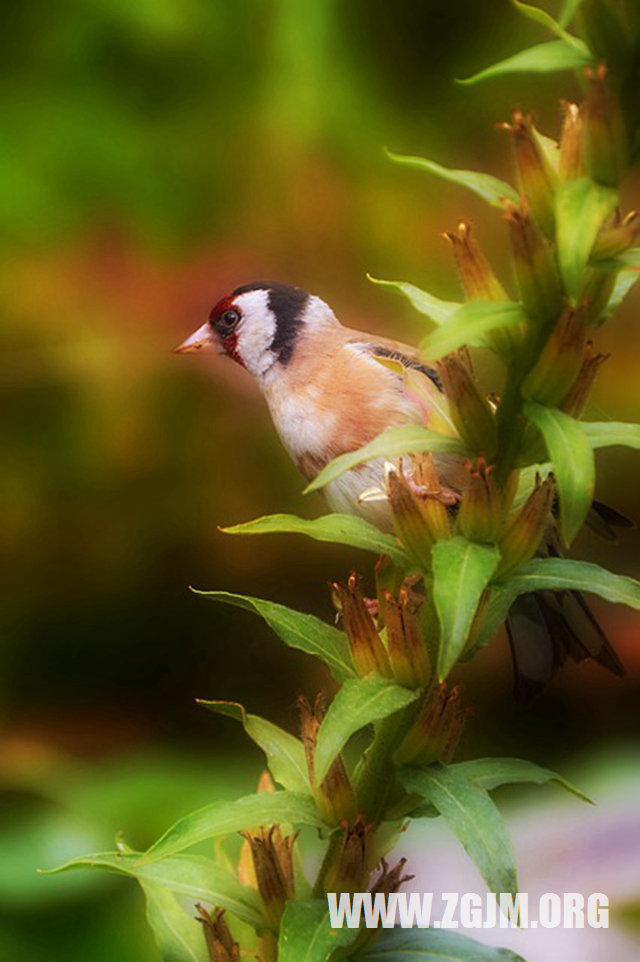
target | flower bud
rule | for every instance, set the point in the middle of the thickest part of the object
(480, 514)
(575, 400)
(570, 165)
(334, 797)
(535, 174)
(436, 729)
(523, 536)
(272, 855)
(221, 946)
(604, 135)
(479, 283)
(350, 872)
(469, 411)
(534, 263)
(615, 239)
(407, 651)
(560, 359)
(367, 651)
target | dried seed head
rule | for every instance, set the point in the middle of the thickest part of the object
(390, 879)
(480, 514)
(367, 651)
(349, 872)
(575, 400)
(479, 282)
(334, 796)
(615, 239)
(272, 855)
(436, 730)
(469, 411)
(221, 946)
(571, 162)
(407, 651)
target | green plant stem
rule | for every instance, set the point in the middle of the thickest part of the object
(333, 850)
(375, 782)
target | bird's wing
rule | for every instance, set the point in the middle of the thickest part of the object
(386, 348)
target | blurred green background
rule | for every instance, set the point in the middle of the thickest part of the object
(154, 156)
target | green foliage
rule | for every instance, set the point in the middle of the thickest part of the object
(306, 934)
(391, 443)
(469, 325)
(490, 188)
(472, 817)
(490, 773)
(461, 572)
(433, 307)
(415, 945)
(177, 935)
(225, 818)
(296, 629)
(285, 753)
(573, 465)
(586, 203)
(358, 703)
(345, 529)
(550, 57)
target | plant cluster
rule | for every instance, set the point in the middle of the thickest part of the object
(448, 576)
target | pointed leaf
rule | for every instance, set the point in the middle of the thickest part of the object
(178, 935)
(546, 20)
(461, 572)
(582, 206)
(390, 444)
(306, 934)
(346, 529)
(470, 324)
(568, 11)
(490, 773)
(623, 284)
(195, 876)
(543, 58)
(358, 703)
(604, 434)
(473, 818)
(555, 574)
(433, 307)
(226, 818)
(490, 188)
(285, 753)
(296, 629)
(433, 945)
(573, 465)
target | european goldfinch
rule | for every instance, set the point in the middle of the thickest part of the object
(330, 390)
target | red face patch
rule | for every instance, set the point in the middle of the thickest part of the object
(228, 338)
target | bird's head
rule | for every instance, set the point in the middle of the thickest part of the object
(260, 324)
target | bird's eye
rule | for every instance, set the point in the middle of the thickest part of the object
(229, 318)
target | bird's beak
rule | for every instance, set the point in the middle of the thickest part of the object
(201, 340)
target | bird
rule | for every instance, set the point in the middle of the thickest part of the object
(330, 389)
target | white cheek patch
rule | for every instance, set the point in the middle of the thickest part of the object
(256, 331)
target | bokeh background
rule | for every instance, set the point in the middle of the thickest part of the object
(154, 156)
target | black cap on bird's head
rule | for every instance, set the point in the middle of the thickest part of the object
(258, 324)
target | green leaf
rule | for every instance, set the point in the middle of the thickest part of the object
(490, 188)
(306, 934)
(390, 444)
(470, 324)
(490, 773)
(285, 753)
(226, 818)
(461, 572)
(573, 465)
(623, 284)
(433, 307)
(195, 876)
(568, 11)
(543, 58)
(546, 20)
(605, 434)
(337, 528)
(296, 629)
(178, 935)
(433, 945)
(582, 206)
(555, 574)
(358, 703)
(628, 260)
(473, 818)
